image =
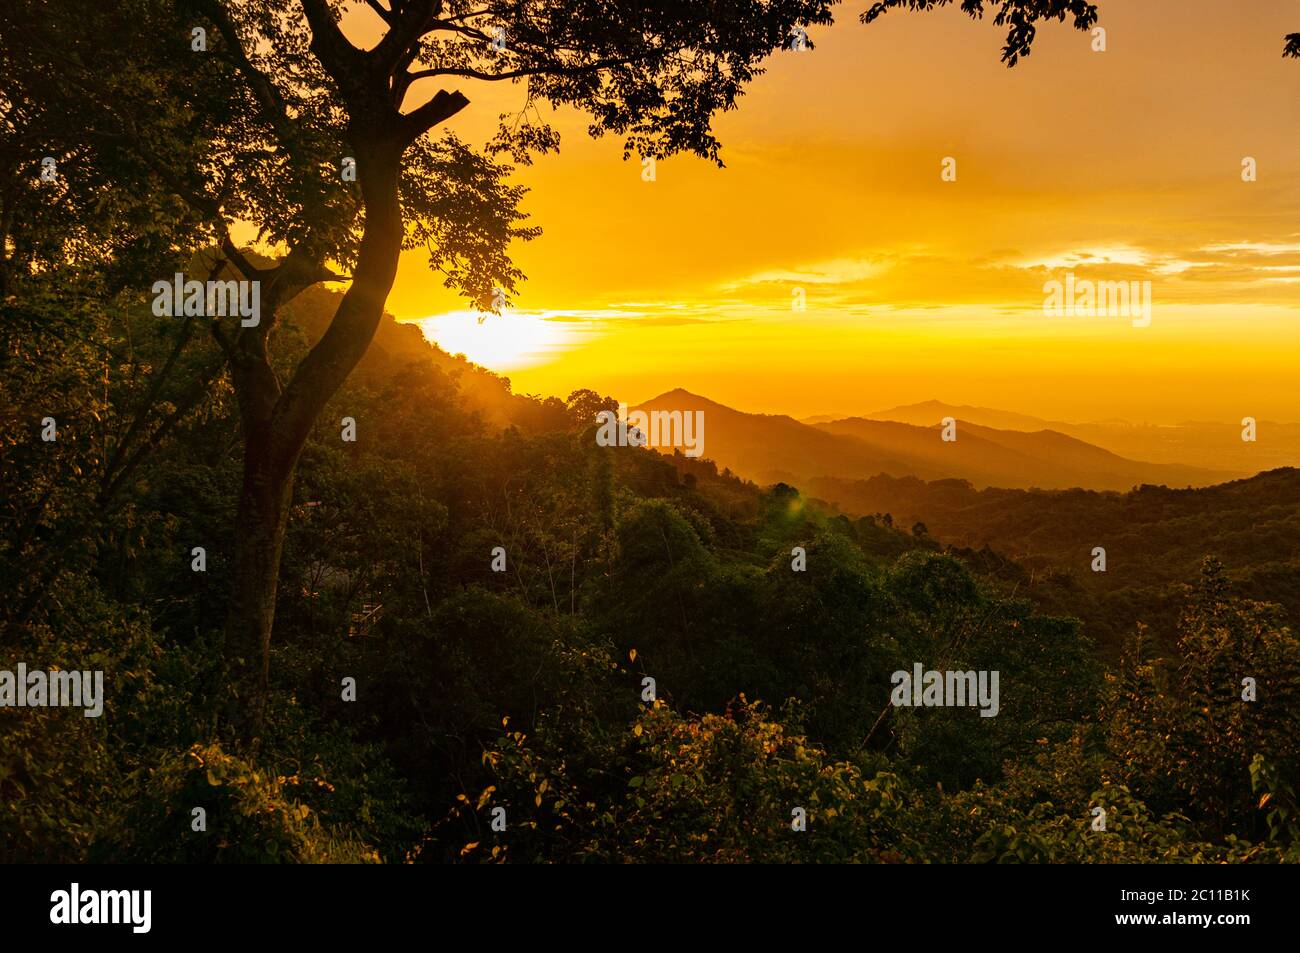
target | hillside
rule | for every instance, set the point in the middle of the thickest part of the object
(1154, 539)
(397, 345)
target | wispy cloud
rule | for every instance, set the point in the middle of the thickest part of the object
(837, 271)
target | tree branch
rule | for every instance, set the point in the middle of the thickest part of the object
(385, 15)
(339, 57)
(155, 388)
(414, 20)
(222, 339)
(531, 71)
(264, 91)
(186, 405)
(442, 107)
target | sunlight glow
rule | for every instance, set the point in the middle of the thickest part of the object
(501, 342)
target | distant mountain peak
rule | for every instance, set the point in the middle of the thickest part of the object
(679, 394)
(681, 399)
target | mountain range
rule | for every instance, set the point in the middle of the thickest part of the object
(1214, 445)
(992, 448)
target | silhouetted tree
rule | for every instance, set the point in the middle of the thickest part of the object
(256, 128)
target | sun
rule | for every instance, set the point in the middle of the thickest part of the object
(500, 342)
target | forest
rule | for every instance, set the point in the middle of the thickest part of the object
(355, 600)
(1155, 538)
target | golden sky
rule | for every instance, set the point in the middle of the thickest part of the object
(1120, 165)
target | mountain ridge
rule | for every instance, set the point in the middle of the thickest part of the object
(771, 448)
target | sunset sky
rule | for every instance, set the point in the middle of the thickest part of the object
(1122, 165)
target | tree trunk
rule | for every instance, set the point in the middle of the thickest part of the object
(260, 523)
(276, 426)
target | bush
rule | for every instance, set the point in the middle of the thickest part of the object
(250, 817)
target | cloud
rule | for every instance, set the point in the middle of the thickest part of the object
(1119, 255)
(646, 314)
(836, 271)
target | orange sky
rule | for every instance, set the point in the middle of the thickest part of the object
(1122, 165)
